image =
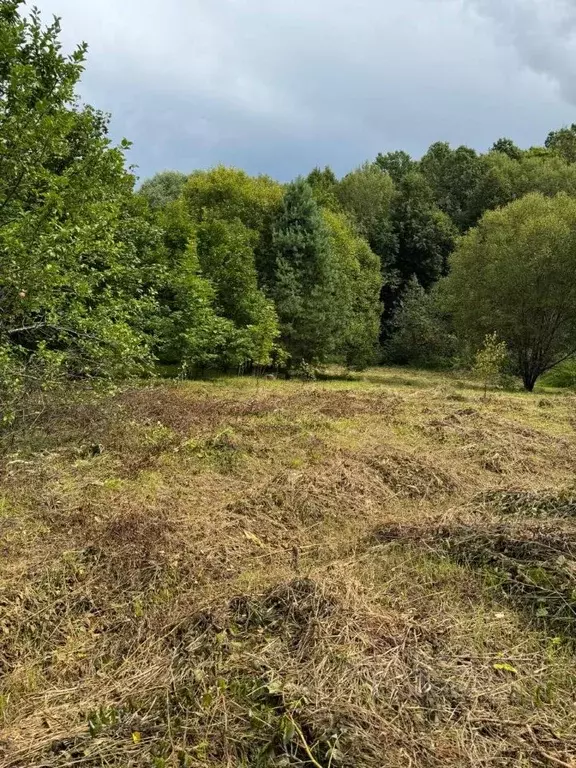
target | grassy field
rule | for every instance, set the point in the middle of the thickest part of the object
(373, 572)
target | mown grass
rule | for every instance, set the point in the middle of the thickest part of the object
(367, 571)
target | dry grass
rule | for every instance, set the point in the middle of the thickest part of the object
(364, 573)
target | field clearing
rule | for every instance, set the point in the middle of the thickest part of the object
(372, 572)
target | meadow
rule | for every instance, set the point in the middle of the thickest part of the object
(371, 571)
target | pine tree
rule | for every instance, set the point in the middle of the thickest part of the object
(304, 279)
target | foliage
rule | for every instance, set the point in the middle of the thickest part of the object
(71, 285)
(359, 281)
(424, 235)
(324, 186)
(453, 175)
(396, 164)
(563, 376)
(514, 274)
(226, 255)
(188, 331)
(304, 283)
(563, 142)
(419, 334)
(490, 360)
(507, 147)
(366, 195)
(505, 179)
(163, 188)
(228, 194)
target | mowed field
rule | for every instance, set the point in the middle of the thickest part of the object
(376, 572)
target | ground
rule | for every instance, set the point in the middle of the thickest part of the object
(369, 571)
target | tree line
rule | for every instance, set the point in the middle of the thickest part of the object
(403, 260)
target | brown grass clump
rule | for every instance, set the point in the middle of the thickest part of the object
(307, 674)
(408, 475)
(545, 503)
(347, 574)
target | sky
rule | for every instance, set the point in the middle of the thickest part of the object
(282, 86)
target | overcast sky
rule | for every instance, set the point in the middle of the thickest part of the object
(279, 86)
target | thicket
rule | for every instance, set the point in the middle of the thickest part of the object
(403, 260)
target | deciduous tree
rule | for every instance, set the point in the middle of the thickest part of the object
(514, 275)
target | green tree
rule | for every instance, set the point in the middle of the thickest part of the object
(163, 188)
(419, 334)
(228, 194)
(304, 281)
(563, 143)
(424, 235)
(396, 164)
(71, 283)
(504, 179)
(453, 175)
(507, 147)
(226, 256)
(514, 275)
(324, 185)
(490, 360)
(358, 281)
(186, 330)
(366, 195)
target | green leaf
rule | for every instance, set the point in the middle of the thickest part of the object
(504, 667)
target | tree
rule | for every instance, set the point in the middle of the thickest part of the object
(188, 331)
(490, 360)
(213, 313)
(504, 179)
(563, 143)
(226, 256)
(366, 195)
(424, 235)
(163, 188)
(228, 194)
(358, 282)
(324, 185)
(453, 175)
(419, 335)
(396, 164)
(72, 290)
(304, 277)
(514, 275)
(507, 147)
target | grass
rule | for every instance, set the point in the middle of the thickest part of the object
(368, 571)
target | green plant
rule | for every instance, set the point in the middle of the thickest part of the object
(490, 360)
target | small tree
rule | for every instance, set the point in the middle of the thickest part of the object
(490, 360)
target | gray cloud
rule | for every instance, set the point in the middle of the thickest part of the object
(543, 33)
(278, 88)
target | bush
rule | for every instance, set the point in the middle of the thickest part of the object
(563, 376)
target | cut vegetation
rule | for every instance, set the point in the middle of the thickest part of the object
(361, 573)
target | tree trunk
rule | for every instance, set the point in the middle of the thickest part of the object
(529, 380)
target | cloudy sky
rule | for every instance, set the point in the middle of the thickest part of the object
(279, 86)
